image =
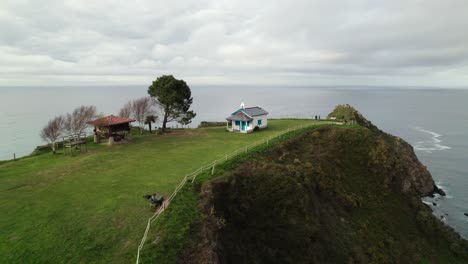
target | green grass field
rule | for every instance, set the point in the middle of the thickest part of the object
(89, 208)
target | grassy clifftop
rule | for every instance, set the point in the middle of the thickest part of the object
(89, 208)
(348, 113)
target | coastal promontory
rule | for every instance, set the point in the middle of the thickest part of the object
(338, 194)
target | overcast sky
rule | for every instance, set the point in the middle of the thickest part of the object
(398, 42)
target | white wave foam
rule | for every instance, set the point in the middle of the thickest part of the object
(426, 202)
(433, 144)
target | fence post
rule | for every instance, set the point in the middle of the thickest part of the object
(14, 156)
(194, 176)
(212, 170)
(193, 179)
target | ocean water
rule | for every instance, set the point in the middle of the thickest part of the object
(434, 121)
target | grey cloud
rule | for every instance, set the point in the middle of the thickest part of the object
(292, 42)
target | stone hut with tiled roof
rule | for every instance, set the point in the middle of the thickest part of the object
(246, 120)
(111, 127)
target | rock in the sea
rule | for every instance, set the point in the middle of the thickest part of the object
(466, 214)
(436, 190)
(434, 204)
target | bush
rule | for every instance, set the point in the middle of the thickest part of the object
(211, 124)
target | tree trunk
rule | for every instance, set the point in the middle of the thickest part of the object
(53, 147)
(149, 125)
(164, 122)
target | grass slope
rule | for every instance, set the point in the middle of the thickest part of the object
(89, 208)
(174, 228)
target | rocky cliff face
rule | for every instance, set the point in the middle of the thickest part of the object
(332, 195)
(413, 174)
(404, 167)
(395, 159)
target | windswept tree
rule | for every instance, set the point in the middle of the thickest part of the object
(151, 119)
(52, 131)
(75, 122)
(174, 97)
(141, 108)
(126, 110)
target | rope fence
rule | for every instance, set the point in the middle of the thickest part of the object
(211, 166)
